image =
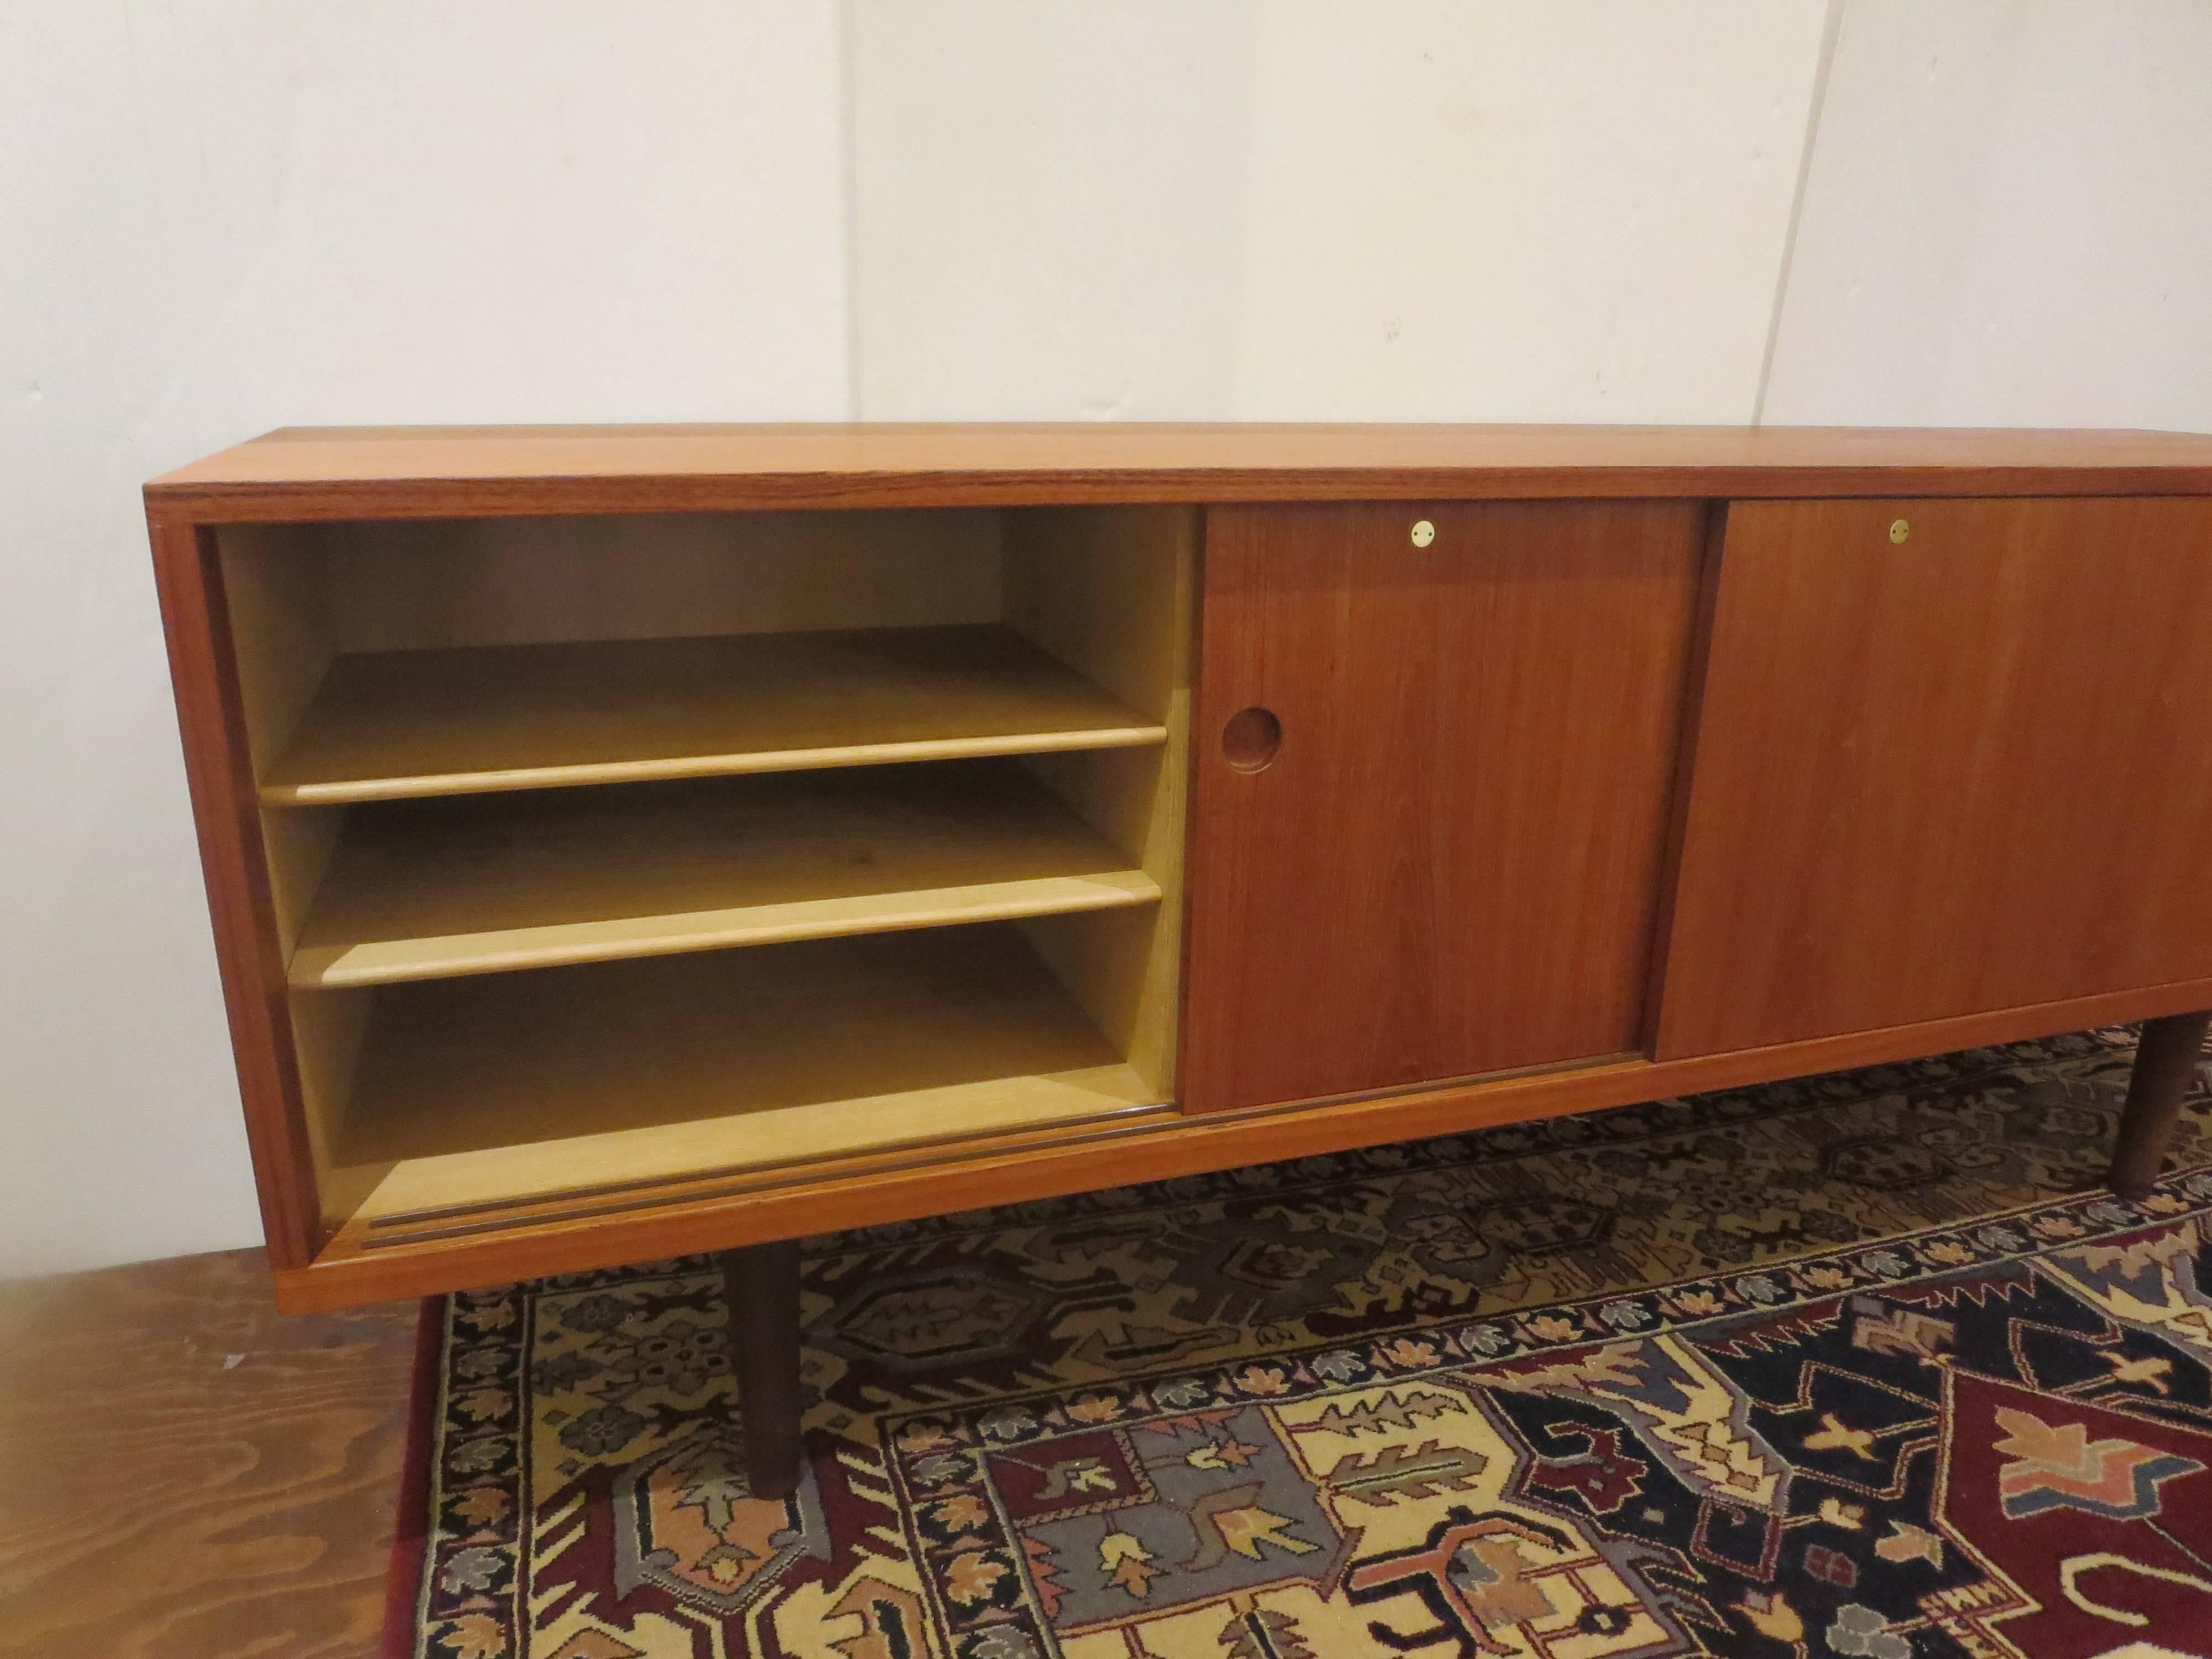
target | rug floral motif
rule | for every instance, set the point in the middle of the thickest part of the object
(1863, 1364)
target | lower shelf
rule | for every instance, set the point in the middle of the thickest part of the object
(512, 1086)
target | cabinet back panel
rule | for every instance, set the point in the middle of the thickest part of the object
(1967, 770)
(532, 581)
(1450, 865)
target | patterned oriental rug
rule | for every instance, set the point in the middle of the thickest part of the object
(1862, 1364)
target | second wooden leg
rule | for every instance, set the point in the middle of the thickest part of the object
(762, 1285)
(2166, 1065)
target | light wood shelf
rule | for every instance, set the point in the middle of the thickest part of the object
(510, 1086)
(390, 725)
(474, 884)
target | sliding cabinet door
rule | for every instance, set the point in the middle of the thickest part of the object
(1434, 752)
(1955, 757)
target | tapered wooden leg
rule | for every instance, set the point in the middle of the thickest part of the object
(761, 1285)
(2166, 1065)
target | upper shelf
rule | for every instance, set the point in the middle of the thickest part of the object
(390, 725)
(430, 889)
(340, 472)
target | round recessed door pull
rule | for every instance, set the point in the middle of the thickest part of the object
(1898, 530)
(1250, 739)
(1424, 532)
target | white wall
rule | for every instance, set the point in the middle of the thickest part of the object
(1297, 209)
(219, 217)
(226, 215)
(2008, 220)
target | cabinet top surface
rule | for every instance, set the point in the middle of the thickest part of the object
(307, 472)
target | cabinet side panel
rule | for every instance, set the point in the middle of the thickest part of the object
(1111, 592)
(211, 717)
(301, 841)
(1106, 590)
(1450, 864)
(280, 626)
(281, 649)
(1952, 759)
(328, 1028)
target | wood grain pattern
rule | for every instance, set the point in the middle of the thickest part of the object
(510, 1084)
(1450, 866)
(185, 1475)
(211, 721)
(716, 1213)
(1956, 774)
(307, 473)
(483, 884)
(393, 725)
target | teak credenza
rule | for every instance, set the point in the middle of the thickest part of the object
(628, 842)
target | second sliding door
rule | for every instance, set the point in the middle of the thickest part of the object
(1955, 757)
(1434, 758)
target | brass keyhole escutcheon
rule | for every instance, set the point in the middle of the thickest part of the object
(1424, 532)
(1898, 530)
(1250, 739)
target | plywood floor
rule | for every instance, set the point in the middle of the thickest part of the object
(184, 1473)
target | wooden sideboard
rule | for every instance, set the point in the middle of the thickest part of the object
(628, 842)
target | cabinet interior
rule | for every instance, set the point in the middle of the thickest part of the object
(619, 850)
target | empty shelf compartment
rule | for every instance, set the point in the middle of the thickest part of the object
(472, 884)
(514, 1086)
(386, 725)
